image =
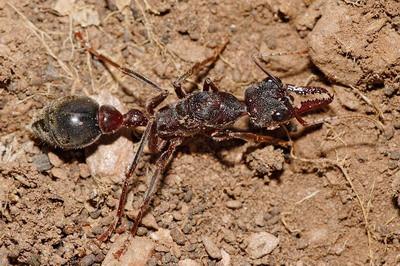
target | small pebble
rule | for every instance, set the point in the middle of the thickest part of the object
(88, 260)
(394, 155)
(95, 214)
(388, 132)
(59, 173)
(84, 171)
(41, 162)
(177, 216)
(178, 236)
(259, 219)
(149, 221)
(212, 250)
(54, 159)
(396, 124)
(229, 236)
(187, 228)
(233, 204)
(226, 258)
(261, 244)
(140, 251)
(188, 196)
(97, 230)
(188, 262)
(99, 258)
(142, 231)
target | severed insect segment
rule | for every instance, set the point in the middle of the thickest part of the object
(75, 122)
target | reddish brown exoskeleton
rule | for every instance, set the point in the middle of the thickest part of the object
(75, 121)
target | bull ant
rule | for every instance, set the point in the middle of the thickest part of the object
(74, 122)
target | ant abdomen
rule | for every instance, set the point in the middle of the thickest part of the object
(69, 122)
(74, 122)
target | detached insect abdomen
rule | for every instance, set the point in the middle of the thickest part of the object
(198, 113)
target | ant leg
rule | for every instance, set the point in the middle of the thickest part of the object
(161, 164)
(155, 143)
(104, 59)
(155, 101)
(194, 70)
(125, 188)
(247, 136)
(208, 83)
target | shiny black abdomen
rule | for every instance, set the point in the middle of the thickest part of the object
(69, 122)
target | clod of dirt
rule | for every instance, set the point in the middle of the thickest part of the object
(261, 244)
(211, 248)
(139, 251)
(353, 46)
(112, 155)
(265, 161)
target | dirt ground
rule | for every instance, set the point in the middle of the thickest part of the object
(330, 200)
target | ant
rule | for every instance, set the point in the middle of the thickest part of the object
(74, 122)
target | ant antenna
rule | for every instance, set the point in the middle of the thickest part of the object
(104, 59)
(256, 59)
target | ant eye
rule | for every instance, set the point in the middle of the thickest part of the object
(279, 116)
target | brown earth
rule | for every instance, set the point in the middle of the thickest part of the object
(332, 201)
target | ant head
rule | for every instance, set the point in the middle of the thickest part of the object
(268, 103)
(70, 123)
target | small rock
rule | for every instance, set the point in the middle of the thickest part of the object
(161, 248)
(54, 159)
(188, 262)
(188, 196)
(226, 258)
(138, 251)
(187, 228)
(84, 171)
(396, 124)
(261, 244)
(229, 236)
(162, 236)
(177, 216)
(88, 260)
(111, 157)
(233, 204)
(394, 155)
(178, 236)
(388, 132)
(212, 249)
(259, 219)
(149, 221)
(41, 162)
(95, 214)
(142, 231)
(59, 173)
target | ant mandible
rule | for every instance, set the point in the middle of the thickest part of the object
(74, 122)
